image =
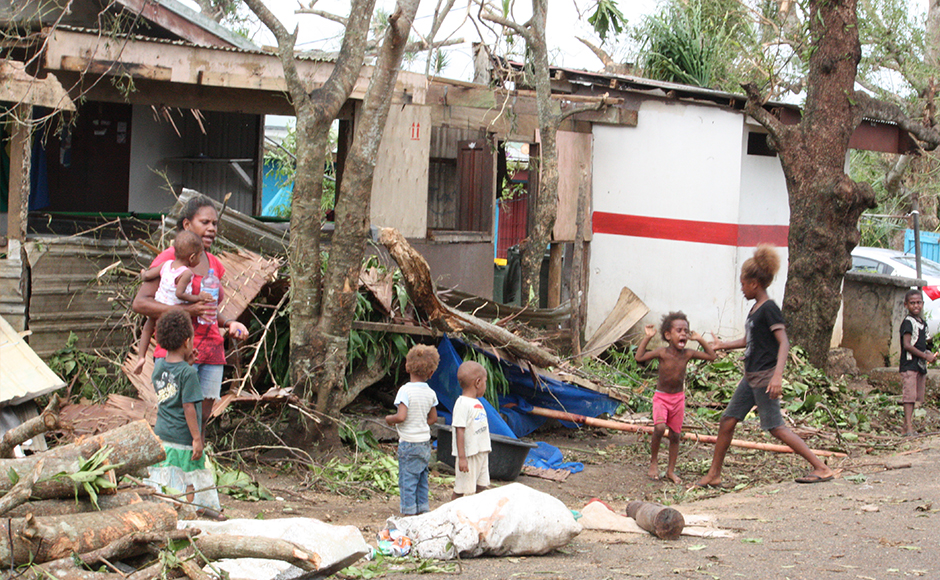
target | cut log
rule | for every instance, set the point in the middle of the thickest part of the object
(20, 493)
(128, 546)
(61, 507)
(417, 277)
(48, 420)
(65, 571)
(41, 539)
(134, 445)
(48, 486)
(661, 521)
(629, 427)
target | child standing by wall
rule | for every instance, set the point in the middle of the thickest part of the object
(179, 415)
(669, 398)
(471, 442)
(176, 285)
(416, 403)
(914, 358)
(766, 348)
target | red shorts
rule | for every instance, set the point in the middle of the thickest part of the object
(669, 408)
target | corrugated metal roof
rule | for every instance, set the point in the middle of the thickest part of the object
(314, 56)
(23, 375)
(208, 24)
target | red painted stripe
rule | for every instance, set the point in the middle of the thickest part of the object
(743, 235)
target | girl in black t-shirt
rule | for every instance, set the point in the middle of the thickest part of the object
(766, 348)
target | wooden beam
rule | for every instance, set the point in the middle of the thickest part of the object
(116, 68)
(394, 328)
(556, 253)
(521, 127)
(20, 161)
(18, 86)
(212, 67)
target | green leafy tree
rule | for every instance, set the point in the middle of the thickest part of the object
(694, 43)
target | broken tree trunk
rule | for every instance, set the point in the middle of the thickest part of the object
(606, 424)
(417, 276)
(134, 446)
(41, 539)
(61, 507)
(661, 521)
(48, 420)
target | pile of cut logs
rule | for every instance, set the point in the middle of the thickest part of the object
(50, 527)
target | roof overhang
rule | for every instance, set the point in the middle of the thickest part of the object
(187, 23)
(869, 135)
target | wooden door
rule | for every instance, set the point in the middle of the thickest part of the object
(475, 175)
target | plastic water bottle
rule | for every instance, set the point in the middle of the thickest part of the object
(210, 285)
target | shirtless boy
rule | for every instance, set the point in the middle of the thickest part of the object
(669, 398)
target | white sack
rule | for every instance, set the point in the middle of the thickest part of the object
(514, 520)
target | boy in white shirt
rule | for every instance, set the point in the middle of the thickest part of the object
(416, 403)
(471, 443)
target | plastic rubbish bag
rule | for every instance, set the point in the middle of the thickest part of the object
(505, 521)
(393, 543)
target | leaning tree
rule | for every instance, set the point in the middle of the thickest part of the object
(825, 204)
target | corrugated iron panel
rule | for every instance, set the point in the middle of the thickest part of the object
(23, 375)
(68, 294)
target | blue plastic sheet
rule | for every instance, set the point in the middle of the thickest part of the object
(444, 382)
(549, 457)
(513, 419)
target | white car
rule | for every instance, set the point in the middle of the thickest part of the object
(895, 263)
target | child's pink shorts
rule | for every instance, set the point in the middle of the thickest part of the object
(669, 408)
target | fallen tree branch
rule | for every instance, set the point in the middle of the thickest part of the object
(48, 420)
(21, 492)
(417, 277)
(629, 427)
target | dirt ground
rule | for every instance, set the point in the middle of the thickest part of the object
(870, 523)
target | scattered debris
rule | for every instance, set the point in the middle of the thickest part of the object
(628, 310)
(558, 475)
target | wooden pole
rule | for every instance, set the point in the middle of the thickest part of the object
(606, 424)
(20, 162)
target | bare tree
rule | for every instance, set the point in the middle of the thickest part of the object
(323, 305)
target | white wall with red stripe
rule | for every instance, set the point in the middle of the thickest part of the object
(678, 205)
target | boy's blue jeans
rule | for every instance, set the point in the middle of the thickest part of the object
(413, 459)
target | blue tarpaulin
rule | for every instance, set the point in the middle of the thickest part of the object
(513, 419)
